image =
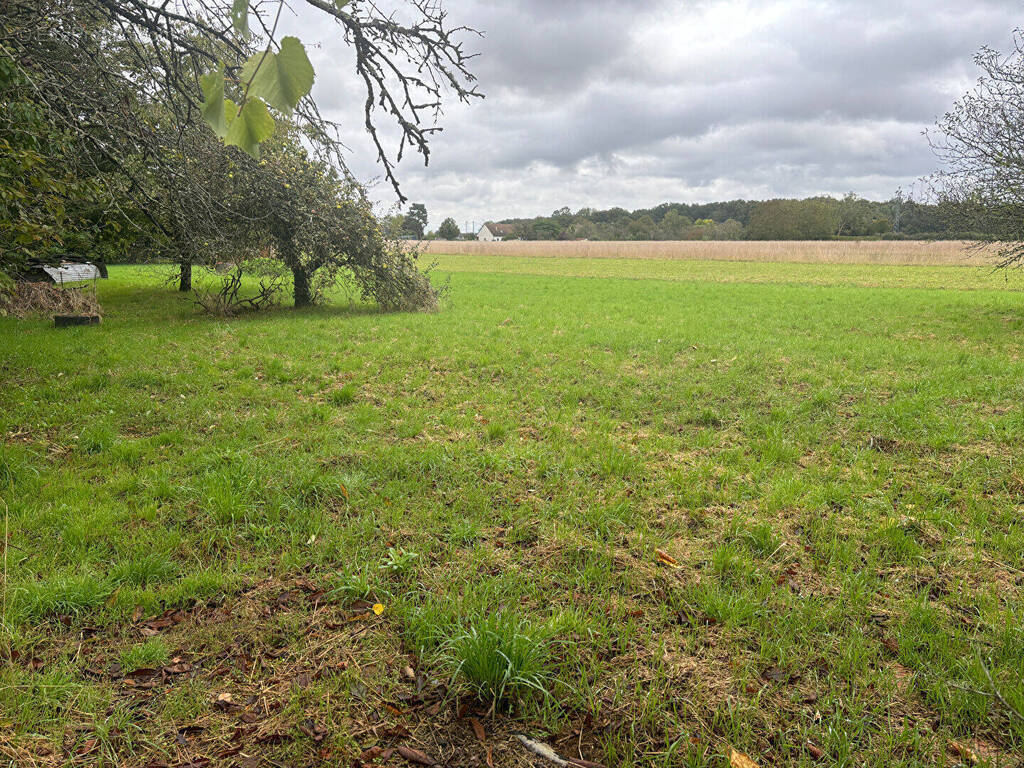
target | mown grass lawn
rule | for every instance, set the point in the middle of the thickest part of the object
(770, 508)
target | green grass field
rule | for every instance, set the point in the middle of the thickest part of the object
(645, 512)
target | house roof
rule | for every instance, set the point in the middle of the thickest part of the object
(501, 230)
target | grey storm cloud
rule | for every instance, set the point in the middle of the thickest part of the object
(601, 103)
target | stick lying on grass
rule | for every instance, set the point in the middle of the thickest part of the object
(543, 750)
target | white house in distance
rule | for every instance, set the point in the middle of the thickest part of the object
(490, 232)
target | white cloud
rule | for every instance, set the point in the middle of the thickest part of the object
(606, 103)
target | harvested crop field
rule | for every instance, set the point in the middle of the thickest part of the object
(891, 252)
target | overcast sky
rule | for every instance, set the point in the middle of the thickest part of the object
(632, 103)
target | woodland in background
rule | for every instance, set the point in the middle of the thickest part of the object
(815, 218)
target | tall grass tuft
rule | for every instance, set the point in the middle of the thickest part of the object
(96, 438)
(501, 659)
(71, 595)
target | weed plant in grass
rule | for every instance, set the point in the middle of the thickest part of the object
(828, 453)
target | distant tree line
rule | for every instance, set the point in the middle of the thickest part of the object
(813, 218)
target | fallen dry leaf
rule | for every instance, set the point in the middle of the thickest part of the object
(87, 747)
(313, 730)
(666, 559)
(740, 760)
(478, 729)
(415, 756)
(274, 737)
(371, 754)
(965, 752)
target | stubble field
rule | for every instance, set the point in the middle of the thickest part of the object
(643, 511)
(883, 252)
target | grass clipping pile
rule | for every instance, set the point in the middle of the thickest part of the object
(26, 300)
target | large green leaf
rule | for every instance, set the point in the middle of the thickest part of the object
(281, 78)
(250, 127)
(212, 84)
(240, 16)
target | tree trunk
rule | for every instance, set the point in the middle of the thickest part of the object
(185, 277)
(302, 295)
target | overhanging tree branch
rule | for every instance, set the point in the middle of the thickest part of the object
(406, 68)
